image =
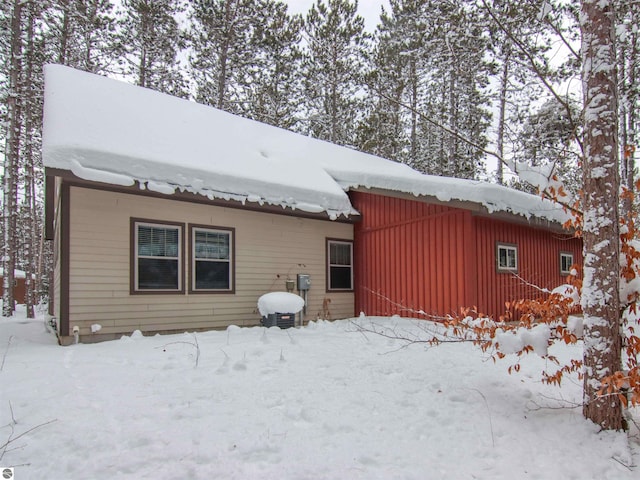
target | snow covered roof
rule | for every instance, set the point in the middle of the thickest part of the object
(113, 132)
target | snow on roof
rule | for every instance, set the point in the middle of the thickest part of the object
(113, 132)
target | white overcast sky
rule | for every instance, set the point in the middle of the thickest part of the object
(368, 9)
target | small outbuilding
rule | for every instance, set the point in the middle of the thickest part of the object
(19, 286)
(167, 216)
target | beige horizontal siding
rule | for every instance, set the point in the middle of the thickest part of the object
(269, 248)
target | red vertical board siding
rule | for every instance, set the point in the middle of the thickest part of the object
(412, 256)
(538, 262)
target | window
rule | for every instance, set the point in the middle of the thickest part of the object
(211, 259)
(566, 262)
(507, 257)
(339, 265)
(157, 262)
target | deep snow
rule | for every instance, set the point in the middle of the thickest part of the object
(109, 131)
(321, 402)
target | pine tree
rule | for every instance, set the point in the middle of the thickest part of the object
(274, 91)
(393, 83)
(223, 51)
(455, 94)
(507, 22)
(600, 294)
(151, 40)
(12, 153)
(629, 75)
(333, 67)
(32, 106)
(83, 34)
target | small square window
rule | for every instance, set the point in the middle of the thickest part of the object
(507, 257)
(566, 262)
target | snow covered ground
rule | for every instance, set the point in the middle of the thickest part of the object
(322, 402)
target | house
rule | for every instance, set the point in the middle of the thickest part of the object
(169, 216)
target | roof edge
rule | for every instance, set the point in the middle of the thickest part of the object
(68, 177)
(476, 209)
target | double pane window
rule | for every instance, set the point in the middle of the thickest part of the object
(566, 262)
(507, 258)
(340, 265)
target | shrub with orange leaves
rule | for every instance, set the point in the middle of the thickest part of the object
(551, 318)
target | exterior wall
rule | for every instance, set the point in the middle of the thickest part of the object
(538, 262)
(410, 257)
(268, 249)
(415, 257)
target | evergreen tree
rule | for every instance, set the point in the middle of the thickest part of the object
(224, 52)
(600, 292)
(522, 37)
(12, 135)
(390, 128)
(82, 34)
(333, 67)
(455, 93)
(629, 77)
(274, 92)
(151, 41)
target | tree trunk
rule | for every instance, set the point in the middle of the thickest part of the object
(600, 297)
(64, 33)
(629, 109)
(11, 162)
(413, 78)
(504, 84)
(30, 135)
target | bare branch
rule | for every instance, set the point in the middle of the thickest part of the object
(12, 439)
(193, 344)
(4, 357)
(536, 69)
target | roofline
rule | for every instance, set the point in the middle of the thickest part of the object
(476, 209)
(68, 177)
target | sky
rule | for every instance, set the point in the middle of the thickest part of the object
(368, 9)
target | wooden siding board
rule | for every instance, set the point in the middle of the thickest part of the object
(269, 247)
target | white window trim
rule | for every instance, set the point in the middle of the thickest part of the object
(136, 285)
(226, 231)
(507, 247)
(566, 255)
(329, 264)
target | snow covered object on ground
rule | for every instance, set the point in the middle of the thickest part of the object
(322, 402)
(279, 302)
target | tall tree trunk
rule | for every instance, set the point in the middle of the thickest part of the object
(144, 40)
(11, 162)
(231, 12)
(413, 78)
(600, 297)
(629, 112)
(30, 134)
(64, 33)
(504, 84)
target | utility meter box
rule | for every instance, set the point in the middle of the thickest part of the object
(304, 282)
